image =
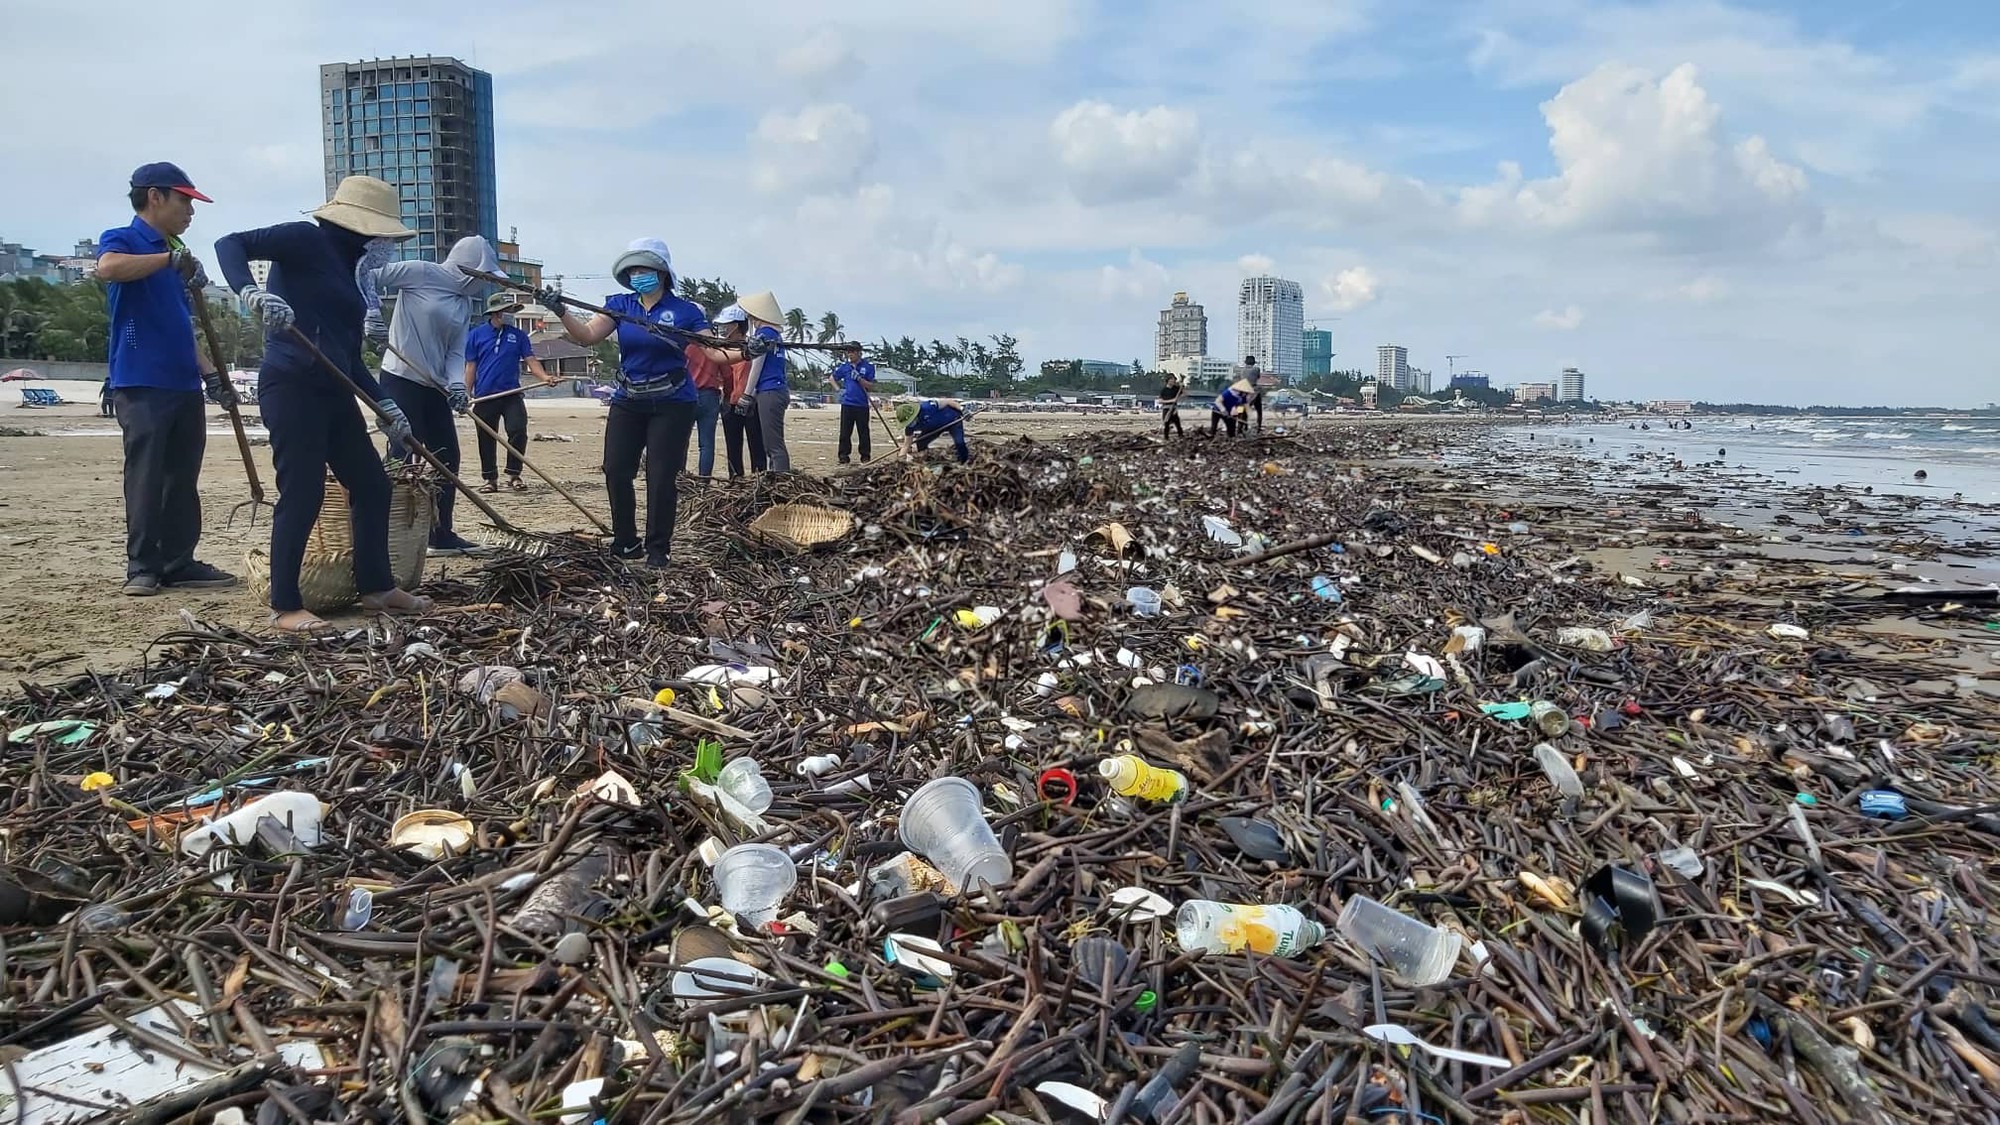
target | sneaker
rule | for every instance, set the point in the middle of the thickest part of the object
(141, 585)
(658, 560)
(628, 550)
(198, 576)
(454, 544)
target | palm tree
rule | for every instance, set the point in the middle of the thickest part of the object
(797, 326)
(830, 328)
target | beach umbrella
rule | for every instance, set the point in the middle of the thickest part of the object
(19, 375)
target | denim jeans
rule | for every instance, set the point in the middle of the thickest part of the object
(707, 407)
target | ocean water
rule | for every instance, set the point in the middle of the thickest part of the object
(1961, 456)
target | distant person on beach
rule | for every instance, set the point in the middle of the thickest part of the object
(710, 382)
(936, 419)
(315, 290)
(740, 428)
(1170, 407)
(104, 399)
(1226, 411)
(1249, 372)
(854, 377)
(495, 352)
(156, 382)
(767, 377)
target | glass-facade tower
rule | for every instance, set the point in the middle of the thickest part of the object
(424, 125)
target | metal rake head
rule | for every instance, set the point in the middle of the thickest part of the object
(252, 504)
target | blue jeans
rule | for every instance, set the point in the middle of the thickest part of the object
(707, 408)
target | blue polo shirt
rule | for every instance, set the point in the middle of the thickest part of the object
(772, 377)
(655, 368)
(152, 327)
(496, 357)
(850, 376)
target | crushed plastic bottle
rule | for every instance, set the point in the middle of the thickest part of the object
(1220, 927)
(1583, 637)
(1131, 776)
(1559, 771)
(1326, 589)
(1685, 862)
(1219, 530)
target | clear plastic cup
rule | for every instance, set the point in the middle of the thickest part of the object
(1145, 601)
(744, 780)
(1419, 953)
(753, 880)
(943, 822)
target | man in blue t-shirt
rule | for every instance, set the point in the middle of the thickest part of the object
(495, 350)
(157, 379)
(936, 419)
(855, 378)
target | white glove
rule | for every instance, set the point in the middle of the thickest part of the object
(267, 307)
(393, 423)
(460, 400)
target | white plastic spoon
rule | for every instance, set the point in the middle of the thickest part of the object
(1403, 1036)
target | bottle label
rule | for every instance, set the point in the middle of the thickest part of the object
(1258, 929)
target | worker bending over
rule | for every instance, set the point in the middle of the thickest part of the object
(935, 419)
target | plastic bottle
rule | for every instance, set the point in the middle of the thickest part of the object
(1326, 588)
(1560, 773)
(1130, 776)
(1222, 927)
(1550, 718)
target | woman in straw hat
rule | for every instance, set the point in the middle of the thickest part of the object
(653, 407)
(767, 378)
(316, 285)
(1228, 407)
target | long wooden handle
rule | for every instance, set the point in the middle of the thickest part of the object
(416, 446)
(235, 418)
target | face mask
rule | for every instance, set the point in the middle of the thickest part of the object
(644, 281)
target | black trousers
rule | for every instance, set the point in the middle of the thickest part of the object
(853, 419)
(166, 434)
(659, 432)
(1170, 422)
(432, 424)
(739, 430)
(1225, 420)
(1257, 404)
(509, 415)
(314, 429)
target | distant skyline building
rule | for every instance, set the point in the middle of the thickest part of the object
(1569, 386)
(1535, 392)
(1183, 331)
(425, 125)
(1271, 323)
(1471, 380)
(1420, 381)
(1392, 366)
(1199, 371)
(1316, 352)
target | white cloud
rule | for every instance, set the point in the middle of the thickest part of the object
(1351, 288)
(1257, 265)
(1111, 157)
(1642, 155)
(1138, 278)
(821, 60)
(874, 238)
(1702, 290)
(819, 148)
(1566, 320)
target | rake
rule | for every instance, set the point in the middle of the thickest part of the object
(489, 431)
(661, 330)
(522, 541)
(256, 500)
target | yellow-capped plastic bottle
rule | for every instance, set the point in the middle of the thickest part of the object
(1130, 776)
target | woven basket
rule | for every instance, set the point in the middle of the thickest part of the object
(326, 577)
(801, 527)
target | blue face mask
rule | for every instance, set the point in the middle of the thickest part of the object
(644, 281)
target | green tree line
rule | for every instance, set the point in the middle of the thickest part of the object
(72, 324)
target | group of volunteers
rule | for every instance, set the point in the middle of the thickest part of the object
(1231, 408)
(679, 373)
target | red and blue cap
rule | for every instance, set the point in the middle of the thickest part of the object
(168, 176)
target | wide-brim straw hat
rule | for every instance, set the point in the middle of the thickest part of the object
(763, 306)
(368, 207)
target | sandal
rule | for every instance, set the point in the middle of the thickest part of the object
(490, 487)
(300, 623)
(414, 606)
(516, 484)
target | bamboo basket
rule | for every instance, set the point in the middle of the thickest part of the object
(801, 527)
(326, 577)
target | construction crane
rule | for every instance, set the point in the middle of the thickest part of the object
(1451, 365)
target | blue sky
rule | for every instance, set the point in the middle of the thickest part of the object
(1766, 201)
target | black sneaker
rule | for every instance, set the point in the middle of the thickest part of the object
(659, 560)
(198, 576)
(628, 550)
(141, 585)
(454, 544)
